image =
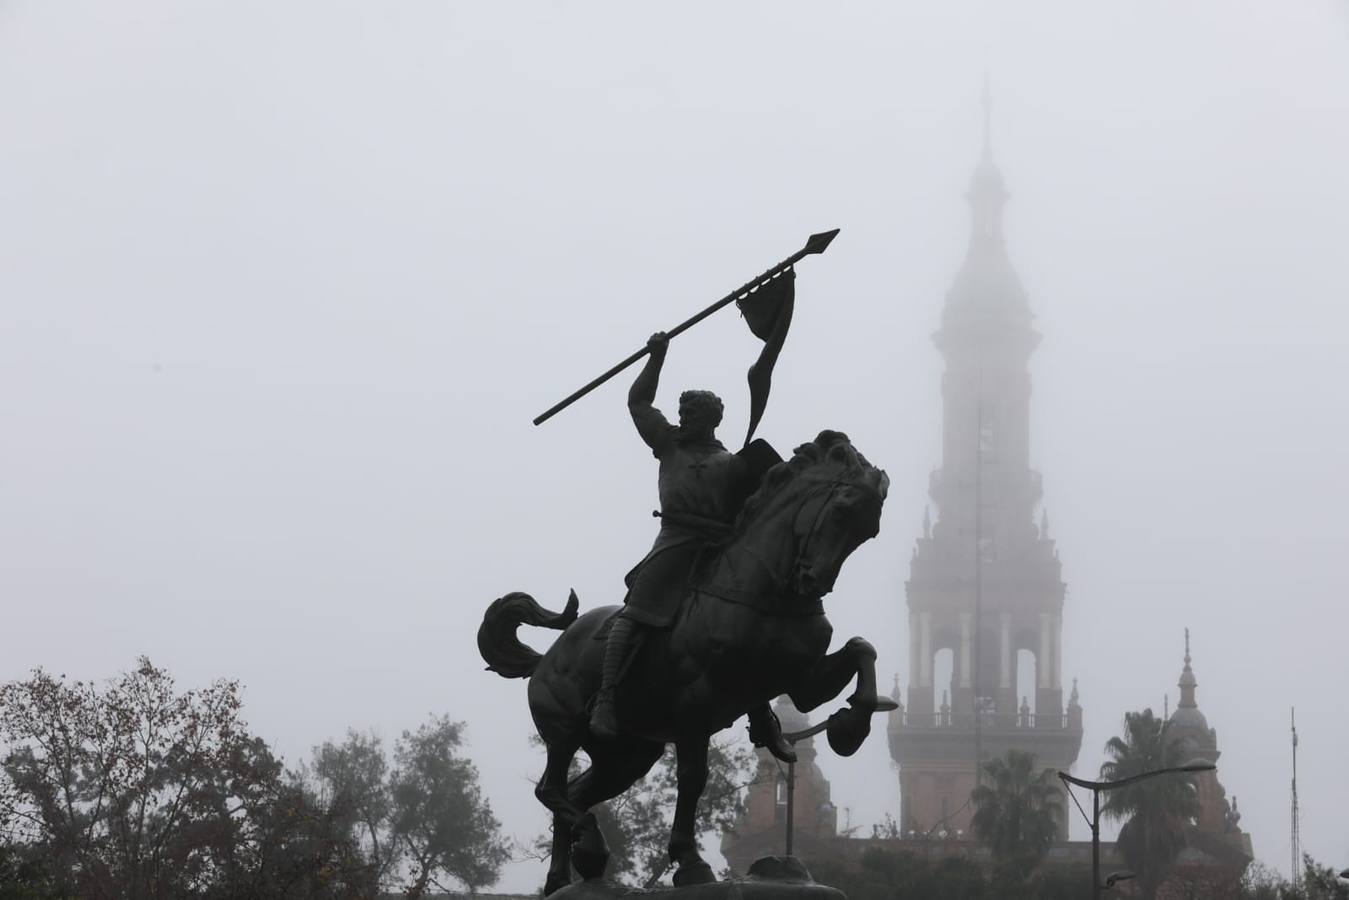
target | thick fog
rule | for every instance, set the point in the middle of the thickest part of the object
(284, 283)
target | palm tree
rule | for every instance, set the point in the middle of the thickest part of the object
(1016, 809)
(1155, 810)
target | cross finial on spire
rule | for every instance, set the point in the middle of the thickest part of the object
(988, 119)
(1187, 646)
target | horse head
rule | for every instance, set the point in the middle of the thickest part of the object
(824, 502)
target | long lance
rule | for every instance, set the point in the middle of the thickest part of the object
(816, 244)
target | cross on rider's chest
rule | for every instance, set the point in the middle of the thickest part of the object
(697, 468)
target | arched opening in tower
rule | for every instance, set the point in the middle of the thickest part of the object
(943, 679)
(1025, 680)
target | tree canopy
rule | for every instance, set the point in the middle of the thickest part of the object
(137, 790)
(1155, 811)
(1016, 809)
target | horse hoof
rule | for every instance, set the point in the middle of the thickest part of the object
(589, 850)
(847, 729)
(694, 873)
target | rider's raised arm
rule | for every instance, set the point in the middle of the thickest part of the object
(651, 424)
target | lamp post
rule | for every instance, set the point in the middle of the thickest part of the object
(883, 704)
(1096, 787)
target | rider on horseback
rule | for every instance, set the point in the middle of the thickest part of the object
(701, 488)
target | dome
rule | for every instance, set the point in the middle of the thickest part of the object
(1189, 717)
(987, 287)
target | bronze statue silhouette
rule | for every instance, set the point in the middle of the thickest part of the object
(751, 627)
(701, 487)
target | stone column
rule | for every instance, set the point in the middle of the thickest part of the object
(925, 648)
(915, 650)
(965, 650)
(1005, 675)
(1056, 680)
(1043, 660)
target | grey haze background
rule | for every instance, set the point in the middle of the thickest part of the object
(284, 284)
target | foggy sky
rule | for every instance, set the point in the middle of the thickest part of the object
(284, 283)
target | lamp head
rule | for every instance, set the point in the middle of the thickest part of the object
(1115, 878)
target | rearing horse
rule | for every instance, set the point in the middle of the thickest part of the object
(752, 628)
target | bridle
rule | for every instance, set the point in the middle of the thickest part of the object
(836, 485)
(814, 605)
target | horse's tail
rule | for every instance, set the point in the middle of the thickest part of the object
(501, 649)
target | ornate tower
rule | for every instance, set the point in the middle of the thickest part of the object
(1188, 725)
(761, 828)
(985, 585)
(1217, 850)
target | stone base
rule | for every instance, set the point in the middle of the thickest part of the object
(769, 878)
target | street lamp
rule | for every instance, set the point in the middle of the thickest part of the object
(1096, 787)
(883, 704)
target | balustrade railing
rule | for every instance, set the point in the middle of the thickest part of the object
(987, 720)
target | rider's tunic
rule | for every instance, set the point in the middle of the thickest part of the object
(700, 489)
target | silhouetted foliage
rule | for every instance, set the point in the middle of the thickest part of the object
(1016, 812)
(439, 820)
(24, 875)
(417, 825)
(138, 790)
(884, 874)
(1156, 810)
(1319, 883)
(893, 875)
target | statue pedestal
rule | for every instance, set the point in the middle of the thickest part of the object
(769, 878)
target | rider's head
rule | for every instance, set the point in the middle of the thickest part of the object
(699, 412)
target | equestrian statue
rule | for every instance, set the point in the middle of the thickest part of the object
(723, 614)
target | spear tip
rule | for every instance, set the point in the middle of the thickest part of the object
(818, 243)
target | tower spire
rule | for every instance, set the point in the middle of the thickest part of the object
(988, 120)
(1187, 680)
(987, 194)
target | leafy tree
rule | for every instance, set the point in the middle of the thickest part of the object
(138, 790)
(1156, 810)
(886, 874)
(414, 826)
(1320, 882)
(1016, 811)
(351, 783)
(439, 820)
(24, 876)
(892, 874)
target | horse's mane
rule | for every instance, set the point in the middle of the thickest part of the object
(829, 447)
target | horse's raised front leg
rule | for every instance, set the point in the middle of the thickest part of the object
(691, 772)
(849, 727)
